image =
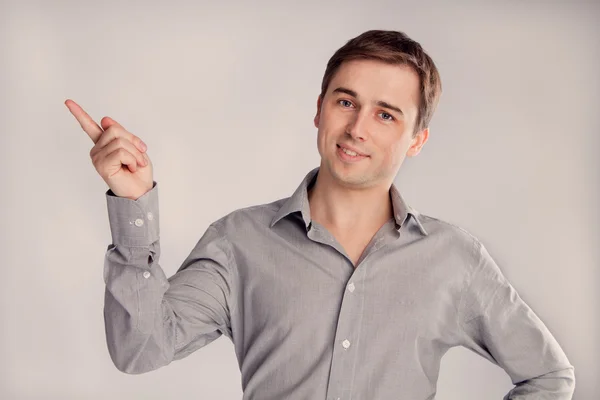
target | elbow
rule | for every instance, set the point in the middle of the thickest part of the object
(132, 351)
(566, 377)
(133, 369)
(560, 383)
(133, 364)
(565, 383)
(570, 378)
(135, 355)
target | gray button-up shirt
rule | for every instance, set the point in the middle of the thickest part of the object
(308, 324)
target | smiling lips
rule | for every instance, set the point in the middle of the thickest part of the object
(349, 155)
(352, 151)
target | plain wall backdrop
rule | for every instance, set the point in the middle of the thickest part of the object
(224, 95)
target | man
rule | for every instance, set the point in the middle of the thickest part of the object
(340, 291)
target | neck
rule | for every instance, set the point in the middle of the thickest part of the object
(342, 209)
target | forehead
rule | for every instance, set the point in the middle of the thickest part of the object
(376, 80)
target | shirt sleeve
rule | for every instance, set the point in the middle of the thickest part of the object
(499, 326)
(151, 320)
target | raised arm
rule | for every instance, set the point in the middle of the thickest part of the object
(151, 321)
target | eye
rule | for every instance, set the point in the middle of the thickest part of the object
(390, 117)
(342, 100)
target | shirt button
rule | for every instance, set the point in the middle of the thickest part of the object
(351, 287)
(146, 274)
(346, 343)
(139, 222)
(150, 216)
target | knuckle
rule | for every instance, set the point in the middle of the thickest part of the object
(112, 132)
(94, 155)
(104, 139)
(108, 132)
(133, 140)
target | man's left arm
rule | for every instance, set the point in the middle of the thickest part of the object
(499, 326)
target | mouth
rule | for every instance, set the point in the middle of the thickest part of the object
(349, 155)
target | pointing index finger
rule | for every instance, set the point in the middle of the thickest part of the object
(93, 130)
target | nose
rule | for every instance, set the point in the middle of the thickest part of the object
(357, 126)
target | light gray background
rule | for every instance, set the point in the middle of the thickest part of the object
(224, 96)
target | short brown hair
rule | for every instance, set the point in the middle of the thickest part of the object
(392, 47)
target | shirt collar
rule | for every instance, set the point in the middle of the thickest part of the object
(298, 202)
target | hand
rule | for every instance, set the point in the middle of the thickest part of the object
(118, 155)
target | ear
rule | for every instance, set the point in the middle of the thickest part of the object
(418, 142)
(318, 115)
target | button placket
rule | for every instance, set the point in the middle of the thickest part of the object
(347, 332)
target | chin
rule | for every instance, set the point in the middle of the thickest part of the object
(351, 176)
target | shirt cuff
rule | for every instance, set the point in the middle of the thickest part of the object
(134, 223)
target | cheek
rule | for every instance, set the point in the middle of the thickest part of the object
(393, 152)
(334, 120)
(322, 139)
(326, 136)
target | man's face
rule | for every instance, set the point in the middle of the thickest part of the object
(371, 107)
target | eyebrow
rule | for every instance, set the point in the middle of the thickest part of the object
(379, 102)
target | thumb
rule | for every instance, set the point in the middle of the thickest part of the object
(107, 122)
